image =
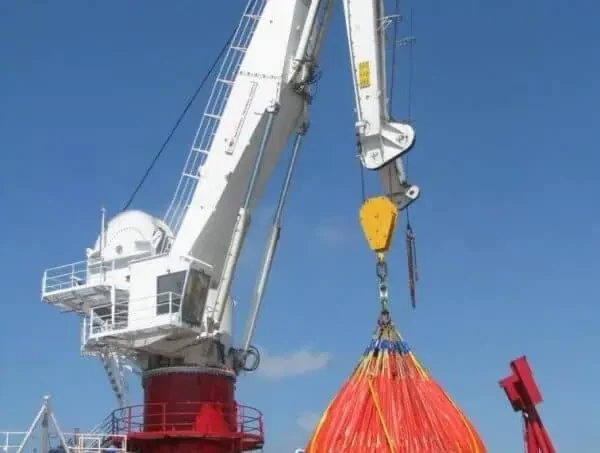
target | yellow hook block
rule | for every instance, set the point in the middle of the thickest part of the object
(378, 217)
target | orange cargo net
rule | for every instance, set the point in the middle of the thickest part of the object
(390, 404)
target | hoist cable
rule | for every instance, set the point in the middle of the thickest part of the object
(409, 97)
(394, 54)
(409, 82)
(392, 80)
(411, 252)
(410, 68)
(180, 119)
(361, 168)
(410, 237)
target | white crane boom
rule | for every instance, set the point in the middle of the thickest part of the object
(382, 141)
(157, 293)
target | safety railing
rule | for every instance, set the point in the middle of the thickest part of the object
(212, 419)
(109, 317)
(97, 443)
(12, 442)
(72, 275)
(139, 312)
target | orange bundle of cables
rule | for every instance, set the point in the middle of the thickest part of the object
(390, 404)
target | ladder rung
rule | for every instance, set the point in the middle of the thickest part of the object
(240, 49)
(188, 175)
(225, 81)
(213, 116)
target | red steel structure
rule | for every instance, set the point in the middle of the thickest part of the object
(524, 395)
(189, 410)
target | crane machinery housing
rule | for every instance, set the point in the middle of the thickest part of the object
(155, 295)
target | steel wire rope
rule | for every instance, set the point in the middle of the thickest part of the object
(409, 94)
(413, 275)
(182, 115)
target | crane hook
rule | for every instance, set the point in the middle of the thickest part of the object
(378, 218)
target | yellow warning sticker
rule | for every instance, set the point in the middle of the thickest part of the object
(364, 74)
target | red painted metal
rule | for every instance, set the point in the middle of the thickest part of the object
(189, 412)
(524, 395)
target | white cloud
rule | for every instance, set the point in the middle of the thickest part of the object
(302, 361)
(308, 421)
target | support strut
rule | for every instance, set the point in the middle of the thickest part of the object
(271, 246)
(243, 221)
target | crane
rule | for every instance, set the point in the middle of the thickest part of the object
(156, 293)
(524, 395)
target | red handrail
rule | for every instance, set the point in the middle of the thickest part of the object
(233, 420)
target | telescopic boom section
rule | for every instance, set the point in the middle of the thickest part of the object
(382, 140)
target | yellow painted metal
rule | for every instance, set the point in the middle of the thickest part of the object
(364, 74)
(378, 217)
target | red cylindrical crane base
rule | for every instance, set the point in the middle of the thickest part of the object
(190, 410)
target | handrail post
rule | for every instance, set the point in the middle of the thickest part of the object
(113, 308)
(73, 276)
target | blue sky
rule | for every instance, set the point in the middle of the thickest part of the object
(505, 102)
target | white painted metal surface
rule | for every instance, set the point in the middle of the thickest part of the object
(105, 275)
(148, 291)
(153, 289)
(383, 141)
